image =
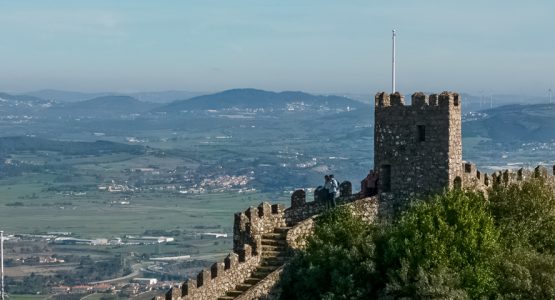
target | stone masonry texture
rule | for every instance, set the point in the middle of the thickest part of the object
(418, 148)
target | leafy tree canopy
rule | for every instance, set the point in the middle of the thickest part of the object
(455, 245)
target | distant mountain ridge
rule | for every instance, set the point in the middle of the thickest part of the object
(108, 106)
(22, 104)
(66, 96)
(515, 123)
(112, 102)
(71, 96)
(28, 98)
(257, 99)
(104, 107)
(16, 144)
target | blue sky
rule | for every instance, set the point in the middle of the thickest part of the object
(316, 46)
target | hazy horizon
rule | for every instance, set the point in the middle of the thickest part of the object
(319, 47)
(347, 94)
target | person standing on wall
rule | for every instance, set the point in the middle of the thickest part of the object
(326, 191)
(334, 188)
(368, 184)
(372, 179)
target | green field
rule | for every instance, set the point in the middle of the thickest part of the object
(92, 216)
(27, 297)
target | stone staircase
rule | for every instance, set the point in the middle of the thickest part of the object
(274, 255)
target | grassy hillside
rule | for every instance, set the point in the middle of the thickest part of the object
(22, 144)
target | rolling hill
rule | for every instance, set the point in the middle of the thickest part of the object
(103, 107)
(22, 104)
(258, 99)
(19, 144)
(515, 123)
(154, 97)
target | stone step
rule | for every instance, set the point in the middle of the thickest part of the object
(273, 242)
(274, 236)
(273, 248)
(252, 281)
(273, 262)
(281, 229)
(260, 274)
(281, 259)
(268, 254)
(274, 255)
(243, 286)
(234, 293)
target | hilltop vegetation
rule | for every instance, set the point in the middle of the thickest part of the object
(456, 245)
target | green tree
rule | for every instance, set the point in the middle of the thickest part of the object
(454, 245)
(443, 247)
(337, 262)
(527, 274)
(525, 214)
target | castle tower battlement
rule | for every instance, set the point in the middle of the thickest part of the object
(417, 147)
(419, 99)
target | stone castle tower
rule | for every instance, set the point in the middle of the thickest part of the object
(417, 147)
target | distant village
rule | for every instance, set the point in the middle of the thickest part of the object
(218, 184)
(135, 287)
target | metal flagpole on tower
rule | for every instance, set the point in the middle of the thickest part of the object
(2, 261)
(393, 65)
(549, 91)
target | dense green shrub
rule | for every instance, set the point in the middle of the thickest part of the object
(525, 214)
(445, 247)
(526, 274)
(456, 245)
(338, 262)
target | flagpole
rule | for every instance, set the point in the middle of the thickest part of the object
(393, 64)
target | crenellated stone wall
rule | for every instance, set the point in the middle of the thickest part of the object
(301, 209)
(296, 238)
(298, 214)
(221, 277)
(250, 225)
(267, 289)
(473, 179)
